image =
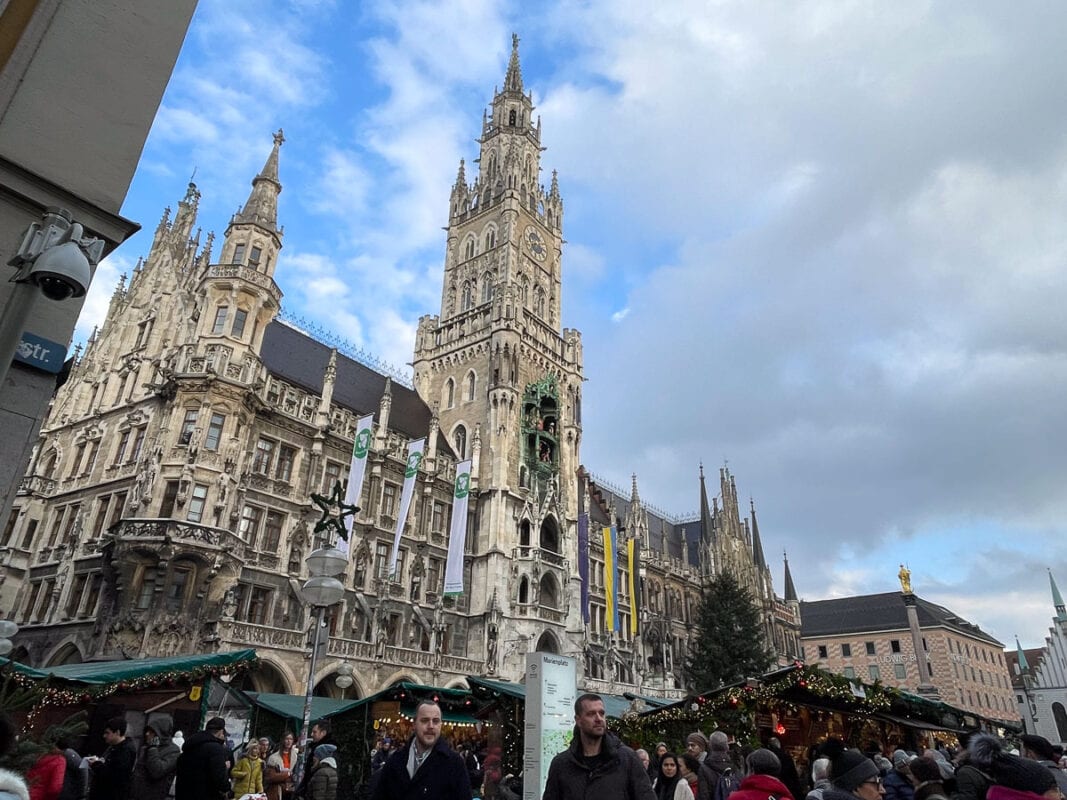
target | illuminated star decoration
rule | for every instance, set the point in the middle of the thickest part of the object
(336, 500)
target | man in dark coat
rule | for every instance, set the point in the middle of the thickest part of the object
(320, 733)
(427, 767)
(154, 772)
(596, 764)
(204, 765)
(111, 774)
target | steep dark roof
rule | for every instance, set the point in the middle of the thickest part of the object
(879, 612)
(292, 355)
(658, 526)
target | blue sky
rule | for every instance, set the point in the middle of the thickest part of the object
(826, 244)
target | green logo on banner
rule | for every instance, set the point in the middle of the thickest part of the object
(413, 465)
(463, 485)
(362, 445)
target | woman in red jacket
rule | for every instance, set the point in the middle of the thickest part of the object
(45, 777)
(761, 782)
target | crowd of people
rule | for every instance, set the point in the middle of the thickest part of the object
(595, 765)
(167, 766)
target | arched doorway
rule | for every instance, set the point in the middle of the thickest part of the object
(269, 679)
(550, 535)
(548, 594)
(67, 654)
(547, 643)
(1060, 715)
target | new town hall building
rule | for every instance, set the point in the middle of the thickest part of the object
(167, 505)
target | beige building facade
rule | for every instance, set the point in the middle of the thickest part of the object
(167, 507)
(869, 638)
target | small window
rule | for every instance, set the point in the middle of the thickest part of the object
(249, 527)
(286, 457)
(874, 672)
(264, 456)
(381, 560)
(870, 648)
(459, 440)
(170, 496)
(188, 426)
(894, 645)
(330, 476)
(148, 588)
(272, 531)
(240, 317)
(174, 599)
(849, 672)
(255, 256)
(220, 319)
(900, 671)
(197, 503)
(846, 651)
(472, 382)
(389, 499)
(822, 651)
(120, 451)
(214, 432)
(258, 604)
(239, 253)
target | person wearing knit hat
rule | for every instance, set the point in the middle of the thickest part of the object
(696, 745)
(927, 777)
(897, 780)
(1014, 777)
(762, 781)
(853, 772)
(323, 782)
(1039, 749)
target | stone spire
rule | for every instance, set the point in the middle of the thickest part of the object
(706, 522)
(262, 206)
(757, 544)
(1057, 599)
(513, 79)
(635, 498)
(790, 588)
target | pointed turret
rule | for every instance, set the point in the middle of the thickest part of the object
(790, 588)
(1057, 599)
(513, 79)
(706, 522)
(757, 544)
(635, 498)
(261, 208)
(1020, 655)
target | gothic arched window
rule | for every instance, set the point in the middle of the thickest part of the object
(511, 117)
(487, 287)
(459, 440)
(472, 382)
(471, 247)
(450, 393)
(490, 239)
(524, 590)
(467, 298)
(1060, 715)
(539, 307)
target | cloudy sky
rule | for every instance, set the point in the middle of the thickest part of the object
(824, 242)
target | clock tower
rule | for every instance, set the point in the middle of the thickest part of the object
(506, 383)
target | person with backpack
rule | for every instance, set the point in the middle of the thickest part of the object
(762, 782)
(725, 778)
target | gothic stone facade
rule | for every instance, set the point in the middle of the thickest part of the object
(167, 506)
(1039, 678)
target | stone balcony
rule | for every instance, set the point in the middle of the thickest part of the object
(173, 531)
(531, 553)
(538, 611)
(37, 486)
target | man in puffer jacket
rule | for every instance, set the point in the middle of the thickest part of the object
(596, 764)
(897, 781)
(153, 774)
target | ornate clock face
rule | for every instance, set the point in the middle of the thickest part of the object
(535, 244)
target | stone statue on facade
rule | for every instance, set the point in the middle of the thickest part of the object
(229, 603)
(490, 649)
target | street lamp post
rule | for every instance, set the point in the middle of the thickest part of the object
(320, 591)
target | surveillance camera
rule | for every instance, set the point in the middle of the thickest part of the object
(61, 272)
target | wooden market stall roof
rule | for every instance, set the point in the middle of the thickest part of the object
(615, 705)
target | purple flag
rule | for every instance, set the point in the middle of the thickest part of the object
(583, 562)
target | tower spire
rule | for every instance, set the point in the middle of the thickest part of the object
(757, 544)
(1020, 655)
(706, 529)
(790, 587)
(262, 206)
(513, 79)
(1057, 599)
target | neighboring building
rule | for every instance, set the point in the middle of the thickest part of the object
(1039, 677)
(167, 507)
(869, 638)
(80, 83)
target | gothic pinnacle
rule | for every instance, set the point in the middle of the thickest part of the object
(513, 79)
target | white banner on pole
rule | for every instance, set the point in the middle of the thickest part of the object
(411, 471)
(551, 689)
(457, 533)
(356, 470)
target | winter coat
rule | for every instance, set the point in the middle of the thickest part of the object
(323, 783)
(681, 790)
(12, 786)
(442, 776)
(113, 775)
(154, 772)
(1058, 774)
(971, 783)
(897, 786)
(309, 754)
(247, 776)
(45, 777)
(761, 787)
(712, 768)
(817, 792)
(277, 779)
(620, 775)
(76, 778)
(202, 772)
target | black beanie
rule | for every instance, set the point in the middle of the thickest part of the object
(850, 768)
(1014, 772)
